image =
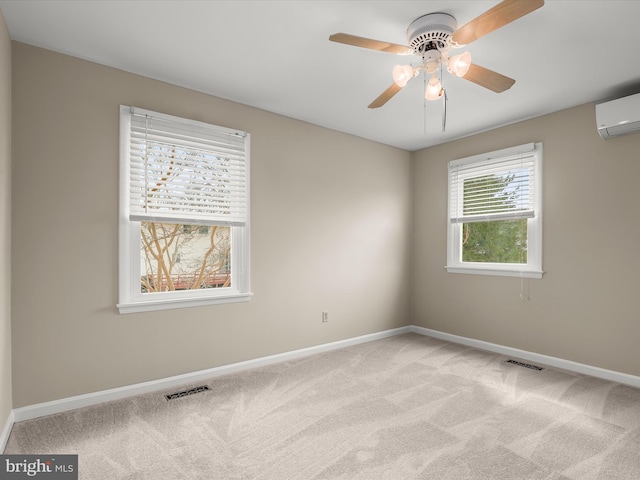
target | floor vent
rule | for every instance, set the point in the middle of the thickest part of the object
(185, 393)
(525, 365)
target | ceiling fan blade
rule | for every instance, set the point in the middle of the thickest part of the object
(371, 44)
(385, 96)
(488, 78)
(499, 16)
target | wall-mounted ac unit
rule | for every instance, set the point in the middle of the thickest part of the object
(618, 117)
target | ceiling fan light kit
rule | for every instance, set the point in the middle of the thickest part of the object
(459, 64)
(434, 90)
(403, 73)
(431, 37)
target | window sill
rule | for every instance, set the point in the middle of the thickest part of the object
(496, 272)
(167, 304)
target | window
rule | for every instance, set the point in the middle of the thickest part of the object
(184, 213)
(495, 213)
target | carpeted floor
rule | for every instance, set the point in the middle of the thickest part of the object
(406, 407)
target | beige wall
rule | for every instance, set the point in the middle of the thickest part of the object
(332, 217)
(5, 223)
(330, 232)
(585, 308)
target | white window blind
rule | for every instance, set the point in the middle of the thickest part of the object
(493, 188)
(184, 171)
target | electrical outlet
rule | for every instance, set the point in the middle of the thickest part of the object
(325, 317)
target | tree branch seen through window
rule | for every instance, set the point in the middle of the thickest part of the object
(184, 257)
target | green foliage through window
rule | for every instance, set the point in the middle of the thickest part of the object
(500, 241)
(497, 241)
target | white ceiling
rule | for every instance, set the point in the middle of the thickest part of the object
(275, 55)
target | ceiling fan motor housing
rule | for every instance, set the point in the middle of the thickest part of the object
(431, 32)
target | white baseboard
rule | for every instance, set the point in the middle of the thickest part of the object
(6, 431)
(71, 403)
(79, 401)
(614, 376)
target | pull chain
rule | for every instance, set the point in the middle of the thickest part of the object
(524, 296)
(424, 89)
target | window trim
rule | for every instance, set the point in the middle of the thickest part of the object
(133, 301)
(533, 267)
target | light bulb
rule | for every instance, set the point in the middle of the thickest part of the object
(459, 64)
(402, 74)
(434, 89)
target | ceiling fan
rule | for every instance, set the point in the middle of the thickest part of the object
(432, 37)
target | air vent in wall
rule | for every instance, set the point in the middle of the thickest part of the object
(184, 393)
(525, 365)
